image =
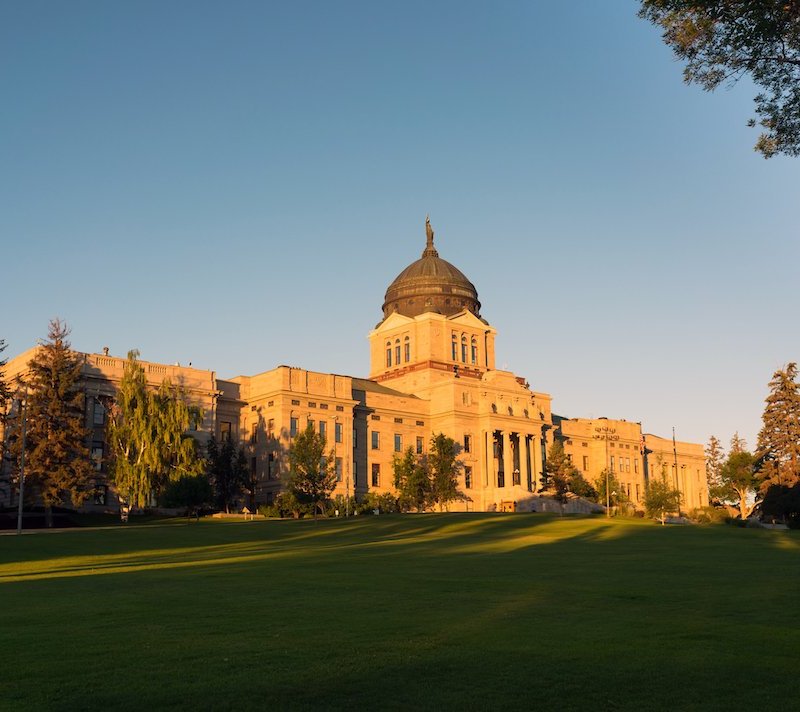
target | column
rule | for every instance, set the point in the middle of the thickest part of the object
(508, 458)
(524, 461)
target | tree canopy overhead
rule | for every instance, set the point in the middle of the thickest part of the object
(725, 40)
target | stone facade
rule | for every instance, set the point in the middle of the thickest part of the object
(432, 370)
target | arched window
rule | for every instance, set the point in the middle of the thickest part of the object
(463, 348)
(494, 407)
(397, 352)
(388, 353)
(407, 353)
(455, 348)
(474, 356)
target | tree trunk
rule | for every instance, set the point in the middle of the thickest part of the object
(48, 516)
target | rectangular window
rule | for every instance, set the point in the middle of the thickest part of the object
(254, 433)
(224, 431)
(467, 477)
(311, 423)
(636, 467)
(398, 442)
(100, 494)
(474, 357)
(323, 406)
(501, 479)
(420, 422)
(467, 443)
(340, 408)
(398, 420)
(585, 463)
(99, 413)
(420, 445)
(408, 351)
(637, 492)
(338, 469)
(337, 432)
(312, 405)
(376, 474)
(376, 440)
(569, 458)
(270, 427)
(271, 466)
(295, 402)
(388, 356)
(612, 463)
(97, 456)
(293, 427)
(323, 429)
(397, 354)
(355, 473)
(627, 464)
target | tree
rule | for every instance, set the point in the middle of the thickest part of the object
(57, 462)
(580, 486)
(147, 436)
(5, 397)
(310, 478)
(616, 495)
(738, 443)
(191, 492)
(715, 457)
(660, 498)
(725, 40)
(738, 481)
(226, 468)
(782, 502)
(778, 448)
(444, 469)
(412, 481)
(558, 471)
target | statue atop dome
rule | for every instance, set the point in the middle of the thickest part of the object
(430, 250)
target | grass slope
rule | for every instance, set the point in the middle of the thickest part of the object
(416, 611)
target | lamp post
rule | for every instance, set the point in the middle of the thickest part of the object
(605, 433)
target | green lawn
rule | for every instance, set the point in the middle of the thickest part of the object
(400, 612)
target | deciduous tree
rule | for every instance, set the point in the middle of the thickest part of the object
(412, 481)
(660, 498)
(616, 495)
(738, 481)
(444, 468)
(311, 479)
(148, 436)
(57, 462)
(226, 468)
(778, 449)
(725, 40)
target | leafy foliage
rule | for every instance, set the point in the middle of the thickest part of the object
(192, 492)
(738, 481)
(616, 495)
(660, 498)
(444, 468)
(782, 502)
(226, 469)
(310, 478)
(778, 448)
(5, 392)
(557, 473)
(147, 435)
(57, 462)
(412, 481)
(725, 40)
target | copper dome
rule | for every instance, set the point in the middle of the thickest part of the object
(430, 284)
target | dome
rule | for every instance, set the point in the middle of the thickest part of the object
(430, 284)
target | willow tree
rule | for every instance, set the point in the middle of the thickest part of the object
(148, 436)
(57, 462)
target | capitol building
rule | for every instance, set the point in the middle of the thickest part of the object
(432, 370)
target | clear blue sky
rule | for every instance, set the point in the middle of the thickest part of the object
(236, 184)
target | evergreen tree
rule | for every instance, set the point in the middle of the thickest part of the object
(738, 481)
(310, 479)
(444, 470)
(778, 448)
(147, 435)
(558, 472)
(226, 468)
(5, 399)
(715, 457)
(412, 481)
(57, 462)
(579, 485)
(738, 444)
